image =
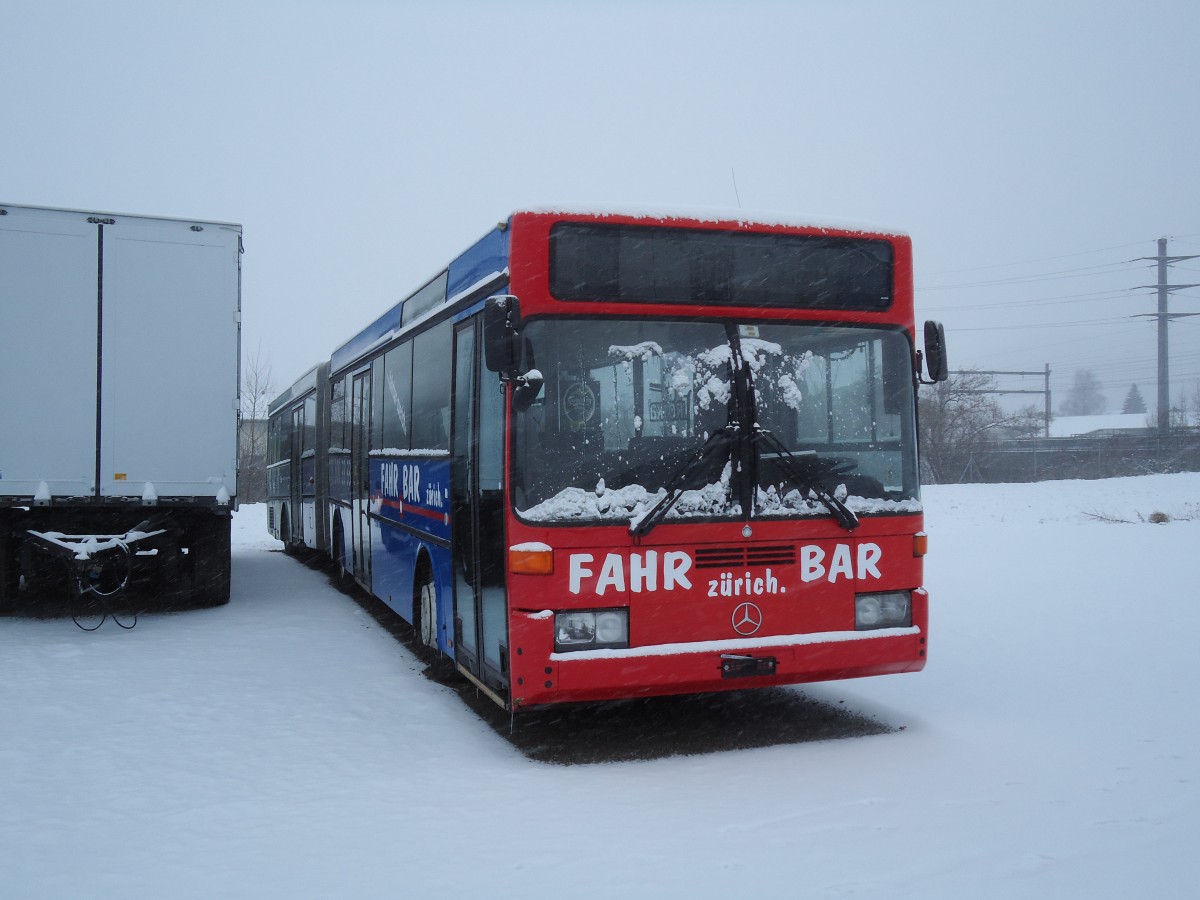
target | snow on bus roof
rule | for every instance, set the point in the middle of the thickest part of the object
(715, 214)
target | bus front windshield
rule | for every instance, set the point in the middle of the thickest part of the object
(632, 411)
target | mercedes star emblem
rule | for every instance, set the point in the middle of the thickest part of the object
(747, 619)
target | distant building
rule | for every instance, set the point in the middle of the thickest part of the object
(1073, 426)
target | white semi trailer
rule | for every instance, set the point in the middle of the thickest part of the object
(119, 403)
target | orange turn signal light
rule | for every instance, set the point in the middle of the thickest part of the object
(531, 562)
(920, 543)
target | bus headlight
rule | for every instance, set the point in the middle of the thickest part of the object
(892, 609)
(591, 629)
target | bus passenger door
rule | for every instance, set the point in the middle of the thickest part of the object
(296, 488)
(360, 476)
(477, 498)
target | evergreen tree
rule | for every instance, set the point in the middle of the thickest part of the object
(1085, 397)
(1133, 401)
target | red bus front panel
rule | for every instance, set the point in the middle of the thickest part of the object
(776, 609)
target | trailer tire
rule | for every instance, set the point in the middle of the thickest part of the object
(10, 567)
(209, 553)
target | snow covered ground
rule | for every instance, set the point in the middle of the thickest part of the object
(286, 746)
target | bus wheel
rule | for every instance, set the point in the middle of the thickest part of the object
(341, 572)
(425, 607)
(285, 533)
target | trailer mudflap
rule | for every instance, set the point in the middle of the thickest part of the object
(734, 665)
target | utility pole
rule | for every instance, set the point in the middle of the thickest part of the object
(1047, 399)
(1163, 316)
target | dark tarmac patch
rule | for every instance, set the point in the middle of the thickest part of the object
(642, 729)
(661, 727)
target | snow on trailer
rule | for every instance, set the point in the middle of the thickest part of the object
(120, 350)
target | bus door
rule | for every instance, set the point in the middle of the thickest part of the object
(360, 476)
(296, 488)
(477, 498)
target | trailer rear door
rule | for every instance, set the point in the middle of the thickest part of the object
(48, 291)
(170, 358)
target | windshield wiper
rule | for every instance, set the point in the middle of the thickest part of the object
(727, 445)
(809, 474)
(742, 443)
(697, 473)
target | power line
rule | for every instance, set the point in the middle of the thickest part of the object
(1072, 324)
(1057, 300)
(1036, 260)
(1090, 337)
(1083, 272)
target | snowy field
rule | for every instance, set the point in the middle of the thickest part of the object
(287, 746)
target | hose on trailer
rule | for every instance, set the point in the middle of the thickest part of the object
(102, 596)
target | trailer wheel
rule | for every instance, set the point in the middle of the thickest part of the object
(210, 560)
(425, 605)
(10, 567)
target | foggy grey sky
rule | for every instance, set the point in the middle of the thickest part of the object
(1031, 149)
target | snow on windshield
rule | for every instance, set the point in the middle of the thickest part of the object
(631, 503)
(706, 373)
(653, 401)
(644, 351)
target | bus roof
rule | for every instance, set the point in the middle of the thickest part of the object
(298, 388)
(715, 215)
(488, 257)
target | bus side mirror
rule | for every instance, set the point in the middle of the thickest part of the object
(501, 323)
(935, 352)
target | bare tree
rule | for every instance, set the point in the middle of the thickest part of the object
(1027, 422)
(958, 416)
(257, 391)
(1192, 405)
(1183, 412)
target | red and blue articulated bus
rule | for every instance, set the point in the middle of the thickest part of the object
(611, 454)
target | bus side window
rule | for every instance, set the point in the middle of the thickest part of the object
(397, 389)
(897, 375)
(431, 388)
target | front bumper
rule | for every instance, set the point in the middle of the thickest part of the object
(685, 668)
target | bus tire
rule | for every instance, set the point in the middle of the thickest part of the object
(285, 532)
(337, 552)
(425, 605)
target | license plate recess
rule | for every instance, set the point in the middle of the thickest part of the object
(739, 666)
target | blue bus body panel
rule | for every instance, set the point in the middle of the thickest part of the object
(411, 502)
(366, 339)
(488, 256)
(414, 492)
(410, 496)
